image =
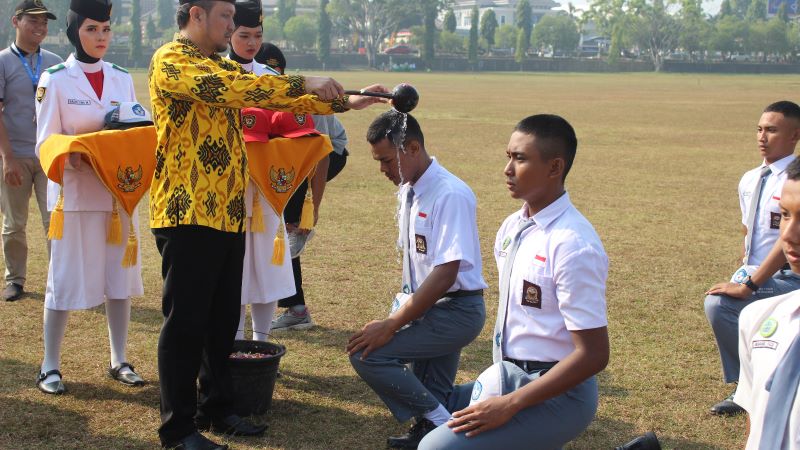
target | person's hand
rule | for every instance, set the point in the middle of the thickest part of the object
(487, 415)
(362, 101)
(326, 88)
(373, 336)
(734, 290)
(75, 160)
(12, 174)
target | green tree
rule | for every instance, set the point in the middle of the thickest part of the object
(524, 22)
(151, 31)
(521, 46)
(654, 30)
(301, 32)
(273, 31)
(489, 27)
(135, 37)
(725, 9)
(557, 33)
(472, 48)
(372, 20)
(777, 37)
(757, 11)
(695, 29)
(430, 9)
(285, 11)
(323, 33)
(166, 13)
(728, 36)
(450, 21)
(505, 36)
(451, 43)
(783, 12)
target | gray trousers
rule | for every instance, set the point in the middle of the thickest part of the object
(546, 426)
(723, 315)
(14, 203)
(433, 346)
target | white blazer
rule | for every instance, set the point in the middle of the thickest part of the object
(67, 104)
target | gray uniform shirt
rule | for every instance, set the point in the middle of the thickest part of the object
(330, 125)
(18, 96)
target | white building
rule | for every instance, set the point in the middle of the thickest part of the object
(504, 10)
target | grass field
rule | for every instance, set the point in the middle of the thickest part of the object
(659, 159)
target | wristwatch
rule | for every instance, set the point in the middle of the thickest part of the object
(749, 283)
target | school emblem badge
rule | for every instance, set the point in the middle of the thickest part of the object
(477, 389)
(531, 295)
(38, 3)
(421, 244)
(506, 242)
(138, 110)
(281, 181)
(40, 94)
(300, 119)
(249, 120)
(768, 327)
(129, 179)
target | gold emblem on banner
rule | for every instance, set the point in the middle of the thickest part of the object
(281, 181)
(129, 179)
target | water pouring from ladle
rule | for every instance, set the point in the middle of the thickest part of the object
(404, 97)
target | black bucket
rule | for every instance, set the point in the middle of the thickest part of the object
(254, 379)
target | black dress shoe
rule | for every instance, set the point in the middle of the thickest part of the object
(414, 435)
(647, 442)
(128, 378)
(232, 425)
(12, 292)
(53, 387)
(196, 441)
(727, 407)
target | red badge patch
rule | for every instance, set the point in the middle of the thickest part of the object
(421, 244)
(423, 215)
(774, 220)
(541, 258)
(531, 295)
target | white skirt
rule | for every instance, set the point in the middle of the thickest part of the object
(84, 269)
(262, 281)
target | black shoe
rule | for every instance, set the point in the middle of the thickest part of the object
(129, 378)
(414, 435)
(196, 441)
(647, 442)
(232, 425)
(12, 292)
(727, 407)
(53, 387)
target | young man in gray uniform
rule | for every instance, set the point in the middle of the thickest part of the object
(21, 64)
(440, 309)
(764, 272)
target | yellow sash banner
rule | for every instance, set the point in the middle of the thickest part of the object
(124, 161)
(278, 168)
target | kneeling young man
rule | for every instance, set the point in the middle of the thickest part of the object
(442, 298)
(551, 335)
(769, 345)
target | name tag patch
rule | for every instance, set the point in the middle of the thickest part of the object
(772, 345)
(531, 295)
(75, 101)
(774, 220)
(421, 244)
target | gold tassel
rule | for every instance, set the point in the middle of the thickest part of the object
(257, 221)
(279, 247)
(114, 236)
(307, 216)
(56, 229)
(132, 249)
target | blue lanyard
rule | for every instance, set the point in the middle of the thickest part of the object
(38, 71)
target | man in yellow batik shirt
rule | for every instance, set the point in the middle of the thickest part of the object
(197, 210)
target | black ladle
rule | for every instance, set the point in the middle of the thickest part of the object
(404, 97)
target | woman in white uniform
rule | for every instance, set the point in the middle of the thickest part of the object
(263, 283)
(85, 271)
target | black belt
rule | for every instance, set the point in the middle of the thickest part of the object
(462, 293)
(531, 366)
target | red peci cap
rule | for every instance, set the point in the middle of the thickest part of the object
(256, 124)
(291, 125)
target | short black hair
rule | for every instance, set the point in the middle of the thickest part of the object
(793, 171)
(785, 107)
(182, 15)
(389, 126)
(556, 137)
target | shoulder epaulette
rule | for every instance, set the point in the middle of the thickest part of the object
(121, 69)
(56, 68)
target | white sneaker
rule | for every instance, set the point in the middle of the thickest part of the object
(298, 241)
(290, 320)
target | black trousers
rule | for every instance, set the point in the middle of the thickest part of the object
(202, 272)
(292, 215)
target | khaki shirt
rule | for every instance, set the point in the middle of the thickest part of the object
(201, 166)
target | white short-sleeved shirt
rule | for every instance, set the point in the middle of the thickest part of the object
(768, 221)
(766, 329)
(443, 228)
(558, 282)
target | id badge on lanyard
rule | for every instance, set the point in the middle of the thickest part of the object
(33, 73)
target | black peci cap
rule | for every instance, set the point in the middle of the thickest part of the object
(99, 10)
(248, 13)
(272, 56)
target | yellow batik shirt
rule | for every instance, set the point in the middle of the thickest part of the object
(201, 164)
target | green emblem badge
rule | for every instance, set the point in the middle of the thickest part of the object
(506, 242)
(769, 327)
